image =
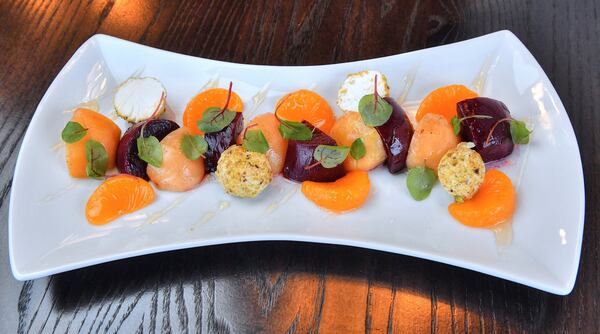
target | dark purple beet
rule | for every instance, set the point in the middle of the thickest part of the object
(476, 130)
(396, 134)
(300, 155)
(128, 161)
(220, 141)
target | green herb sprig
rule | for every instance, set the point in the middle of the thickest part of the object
(255, 141)
(358, 149)
(97, 159)
(420, 181)
(329, 156)
(149, 149)
(455, 121)
(73, 132)
(292, 130)
(215, 119)
(518, 131)
(374, 110)
(193, 146)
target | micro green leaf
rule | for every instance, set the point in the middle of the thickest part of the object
(455, 125)
(215, 119)
(149, 150)
(97, 159)
(374, 110)
(455, 121)
(358, 149)
(519, 132)
(420, 181)
(73, 132)
(330, 156)
(294, 130)
(255, 141)
(193, 146)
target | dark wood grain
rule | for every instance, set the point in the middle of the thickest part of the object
(283, 287)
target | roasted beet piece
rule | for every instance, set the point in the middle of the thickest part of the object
(476, 130)
(300, 155)
(128, 161)
(396, 134)
(221, 140)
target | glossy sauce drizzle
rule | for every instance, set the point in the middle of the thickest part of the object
(408, 79)
(503, 233)
(258, 99)
(479, 81)
(156, 216)
(207, 216)
(286, 197)
(211, 83)
(59, 193)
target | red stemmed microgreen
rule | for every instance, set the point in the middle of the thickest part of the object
(455, 121)
(489, 136)
(73, 132)
(518, 130)
(215, 119)
(292, 130)
(374, 110)
(329, 156)
(97, 159)
(193, 146)
(254, 140)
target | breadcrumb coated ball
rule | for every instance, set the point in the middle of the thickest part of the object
(461, 171)
(243, 173)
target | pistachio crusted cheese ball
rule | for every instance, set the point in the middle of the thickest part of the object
(461, 171)
(243, 173)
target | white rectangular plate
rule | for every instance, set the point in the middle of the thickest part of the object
(48, 232)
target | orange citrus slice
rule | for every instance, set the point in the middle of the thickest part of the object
(118, 196)
(214, 97)
(443, 100)
(306, 105)
(345, 194)
(493, 203)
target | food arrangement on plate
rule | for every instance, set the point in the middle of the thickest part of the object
(175, 212)
(455, 133)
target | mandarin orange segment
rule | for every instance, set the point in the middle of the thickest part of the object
(347, 193)
(443, 100)
(214, 97)
(118, 196)
(306, 105)
(269, 125)
(493, 203)
(99, 128)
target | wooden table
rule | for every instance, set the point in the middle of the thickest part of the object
(285, 287)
